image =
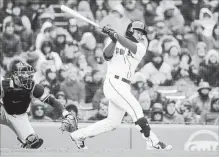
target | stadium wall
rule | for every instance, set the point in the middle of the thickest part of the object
(182, 137)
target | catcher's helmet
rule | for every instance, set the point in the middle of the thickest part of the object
(22, 73)
(138, 25)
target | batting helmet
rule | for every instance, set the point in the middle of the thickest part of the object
(138, 25)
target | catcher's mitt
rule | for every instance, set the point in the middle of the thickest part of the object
(69, 123)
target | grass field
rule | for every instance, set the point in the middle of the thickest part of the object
(66, 152)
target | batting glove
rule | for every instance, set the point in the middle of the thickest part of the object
(110, 32)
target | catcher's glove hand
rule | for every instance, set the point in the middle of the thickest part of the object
(69, 123)
(110, 32)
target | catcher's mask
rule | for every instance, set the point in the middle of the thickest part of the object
(138, 25)
(22, 74)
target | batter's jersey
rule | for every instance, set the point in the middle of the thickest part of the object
(124, 62)
(16, 100)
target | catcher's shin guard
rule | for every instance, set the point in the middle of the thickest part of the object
(32, 142)
(145, 128)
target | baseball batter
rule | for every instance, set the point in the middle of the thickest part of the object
(123, 55)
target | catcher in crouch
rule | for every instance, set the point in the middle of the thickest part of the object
(123, 55)
(16, 95)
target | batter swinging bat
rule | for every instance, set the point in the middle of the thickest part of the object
(77, 15)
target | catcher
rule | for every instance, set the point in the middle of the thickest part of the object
(16, 94)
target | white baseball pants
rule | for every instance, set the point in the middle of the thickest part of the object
(121, 100)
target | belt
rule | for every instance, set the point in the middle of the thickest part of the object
(123, 79)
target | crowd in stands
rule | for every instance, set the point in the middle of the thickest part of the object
(176, 82)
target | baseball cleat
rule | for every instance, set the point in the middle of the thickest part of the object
(163, 146)
(79, 141)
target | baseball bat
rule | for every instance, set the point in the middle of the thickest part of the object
(77, 15)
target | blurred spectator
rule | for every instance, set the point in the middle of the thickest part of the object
(26, 36)
(157, 113)
(73, 88)
(156, 97)
(191, 39)
(211, 116)
(187, 112)
(38, 112)
(91, 86)
(51, 77)
(72, 107)
(209, 72)
(40, 72)
(100, 9)
(138, 82)
(33, 11)
(73, 4)
(183, 70)
(213, 40)
(161, 30)
(131, 11)
(207, 21)
(74, 30)
(45, 34)
(82, 66)
(171, 116)
(102, 112)
(52, 58)
(202, 100)
(157, 71)
(115, 18)
(188, 10)
(199, 53)
(138, 89)
(151, 35)
(87, 46)
(85, 10)
(5, 11)
(172, 54)
(198, 60)
(46, 16)
(68, 55)
(98, 62)
(173, 18)
(33, 58)
(98, 96)
(46, 85)
(61, 39)
(150, 14)
(18, 12)
(61, 97)
(11, 44)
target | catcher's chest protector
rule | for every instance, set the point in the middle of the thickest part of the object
(15, 100)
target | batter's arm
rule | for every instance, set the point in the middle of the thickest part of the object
(132, 46)
(109, 50)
